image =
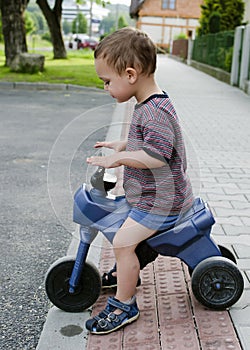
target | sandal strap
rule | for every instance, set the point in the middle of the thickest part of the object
(104, 313)
(118, 304)
(109, 274)
(113, 269)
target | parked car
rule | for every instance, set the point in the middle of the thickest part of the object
(87, 43)
(82, 41)
(75, 39)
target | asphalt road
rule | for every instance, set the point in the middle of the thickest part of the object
(45, 137)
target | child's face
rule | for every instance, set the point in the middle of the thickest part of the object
(119, 86)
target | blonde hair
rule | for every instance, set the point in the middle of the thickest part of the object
(128, 47)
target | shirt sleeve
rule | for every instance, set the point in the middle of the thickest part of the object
(158, 138)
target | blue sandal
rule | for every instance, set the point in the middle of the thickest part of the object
(110, 281)
(107, 321)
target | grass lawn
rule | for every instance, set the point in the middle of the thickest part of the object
(77, 69)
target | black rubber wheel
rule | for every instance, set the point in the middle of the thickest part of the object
(227, 253)
(57, 286)
(217, 283)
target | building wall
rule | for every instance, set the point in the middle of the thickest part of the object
(163, 25)
(184, 8)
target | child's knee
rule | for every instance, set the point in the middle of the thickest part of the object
(122, 248)
(122, 245)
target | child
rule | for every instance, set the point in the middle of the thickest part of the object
(155, 182)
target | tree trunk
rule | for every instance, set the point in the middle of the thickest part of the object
(53, 18)
(13, 28)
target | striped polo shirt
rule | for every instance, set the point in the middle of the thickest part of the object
(155, 129)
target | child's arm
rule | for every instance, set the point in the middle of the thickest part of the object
(136, 159)
(117, 146)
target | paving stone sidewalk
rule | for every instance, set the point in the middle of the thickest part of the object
(216, 125)
(171, 318)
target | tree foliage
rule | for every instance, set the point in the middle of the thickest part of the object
(108, 23)
(66, 27)
(53, 16)
(14, 28)
(30, 26)
(1, 29)
(38, 18)
(220, 15)
(79, 24)
(122, 22)
(118, 17)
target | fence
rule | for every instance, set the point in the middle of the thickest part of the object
(215, 50)
(240, 73)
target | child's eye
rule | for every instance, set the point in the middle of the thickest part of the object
(106, 83)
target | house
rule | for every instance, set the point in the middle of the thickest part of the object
(164, 20)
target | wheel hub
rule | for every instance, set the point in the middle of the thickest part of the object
(217, 285)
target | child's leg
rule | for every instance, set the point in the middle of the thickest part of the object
(125, 241)
(122, 310)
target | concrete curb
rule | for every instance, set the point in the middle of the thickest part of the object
(66, 331)
(46, 86)
(63, 330)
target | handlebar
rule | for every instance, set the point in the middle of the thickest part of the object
(102, 181)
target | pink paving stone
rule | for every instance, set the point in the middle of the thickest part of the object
(212, 323)
(142, 331)
(146, 297)
(142, 346)
(147, 275)
(174, 309)
(186, 273)
(215, 328)
(179, 337)
(112, 341)
(170, 282)
(165, 263)
(106, 264)
(228, 343)
(107, 253)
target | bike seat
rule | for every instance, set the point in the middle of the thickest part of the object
(196, 221)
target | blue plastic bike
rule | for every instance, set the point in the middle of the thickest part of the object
(73, 285)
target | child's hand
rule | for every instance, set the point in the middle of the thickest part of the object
(103, 144)
(117, 146)
(106, 162)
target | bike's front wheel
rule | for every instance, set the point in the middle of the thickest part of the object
(57, 285)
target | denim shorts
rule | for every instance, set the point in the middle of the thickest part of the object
(152, 221)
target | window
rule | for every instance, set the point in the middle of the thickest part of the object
(168, 4)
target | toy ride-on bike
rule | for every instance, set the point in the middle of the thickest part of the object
(73, 284)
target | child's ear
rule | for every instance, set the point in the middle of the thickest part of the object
(132, 75)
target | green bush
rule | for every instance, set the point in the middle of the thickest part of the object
(229, 59)
(180, 36)
(47, 36)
